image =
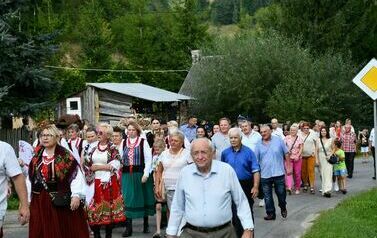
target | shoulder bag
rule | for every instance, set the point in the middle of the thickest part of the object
(333, 158)
(59, 199)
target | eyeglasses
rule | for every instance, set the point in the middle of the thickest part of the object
(46, 135)
(306, 128)
(100, 133)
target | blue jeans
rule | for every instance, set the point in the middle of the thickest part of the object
(279, 184)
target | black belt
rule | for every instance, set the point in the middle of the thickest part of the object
(206, 229)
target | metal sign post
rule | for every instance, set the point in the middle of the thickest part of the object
(366, 79)
(375, 137)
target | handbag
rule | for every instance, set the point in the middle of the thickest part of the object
(59, 199)
(333, 158)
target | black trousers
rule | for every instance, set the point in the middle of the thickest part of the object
(350, 156)
(246, 185)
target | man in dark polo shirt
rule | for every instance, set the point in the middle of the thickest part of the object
(242, 159)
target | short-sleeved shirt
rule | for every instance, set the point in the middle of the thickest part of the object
(173, 166)
(309, 143)
(242, 161)
(341, 164)
(220, 142)
(9, 168)
(271, 157)
(251, 140)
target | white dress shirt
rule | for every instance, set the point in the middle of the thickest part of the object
(205, 200)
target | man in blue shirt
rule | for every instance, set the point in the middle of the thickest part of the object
(245, 164)
(189, 129)
(271, 153)
(204, 195)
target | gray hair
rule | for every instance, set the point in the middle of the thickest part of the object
(235, 130)
(177, 133)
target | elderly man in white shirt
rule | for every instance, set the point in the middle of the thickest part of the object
(9, 168)
(277, 131)
(250, 138)
(204, 195)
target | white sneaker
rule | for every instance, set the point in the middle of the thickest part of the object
(336, 187)
(261, 203)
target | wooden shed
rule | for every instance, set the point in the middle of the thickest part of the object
(109, 102)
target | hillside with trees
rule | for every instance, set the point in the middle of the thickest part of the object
(50, 49)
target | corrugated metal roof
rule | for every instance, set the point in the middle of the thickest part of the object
(142, 91)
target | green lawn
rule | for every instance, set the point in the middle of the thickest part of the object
(353, 217)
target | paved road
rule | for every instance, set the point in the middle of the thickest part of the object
(302, 210)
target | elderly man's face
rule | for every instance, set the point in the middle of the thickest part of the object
(265, 133)
(235, 140)
(202, 154)
(246, 128)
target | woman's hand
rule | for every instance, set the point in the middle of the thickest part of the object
(75, 203)
(144, 179)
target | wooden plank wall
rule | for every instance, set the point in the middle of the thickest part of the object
(88, 105)
(113, 106)
(12, 136)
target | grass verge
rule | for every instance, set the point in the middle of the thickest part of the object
(354, 217)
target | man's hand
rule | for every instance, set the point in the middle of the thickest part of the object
(23, 214)
(247, 234)
(254, 192)
(9, 192)
(75, 203)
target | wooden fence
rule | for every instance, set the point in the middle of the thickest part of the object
(12, 136)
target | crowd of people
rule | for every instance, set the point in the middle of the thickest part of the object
(205, 176)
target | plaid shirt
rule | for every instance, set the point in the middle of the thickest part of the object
(348, 142)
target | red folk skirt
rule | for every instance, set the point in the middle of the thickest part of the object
(47, 221)
(107, 205)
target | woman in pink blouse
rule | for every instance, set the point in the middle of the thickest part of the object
(294, 145)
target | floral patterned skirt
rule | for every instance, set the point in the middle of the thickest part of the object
(107, 206)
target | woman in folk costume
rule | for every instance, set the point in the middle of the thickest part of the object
(137, 185)
(57, 186)
(101, 168)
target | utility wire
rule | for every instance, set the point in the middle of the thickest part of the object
(118, 70)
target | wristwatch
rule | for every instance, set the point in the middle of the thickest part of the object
(249, 229)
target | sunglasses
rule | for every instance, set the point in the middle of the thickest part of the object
(100, 133)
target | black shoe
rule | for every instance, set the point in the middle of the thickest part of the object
(349, 176)
(284, 213)
(97, 234)
(156, 235)
(327, 195)
(270, 217)
(374, 178)
(344, 191)
(127, 233)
